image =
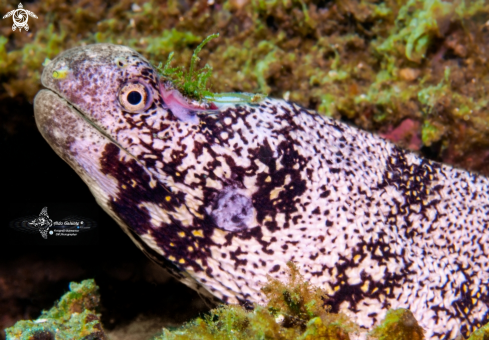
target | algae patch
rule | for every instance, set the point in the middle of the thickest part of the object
(480, 334)
(73, 317)
(295, 310)
(191, 83)
(399, 324)
(367, 62)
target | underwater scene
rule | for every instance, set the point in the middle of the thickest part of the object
(244, 169)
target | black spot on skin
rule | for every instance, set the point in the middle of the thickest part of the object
(275, 268)
(208, 272)
(237, 261)
(155, 257)
(336, 127)
(325, 194)
(266, 182)
(247, 234)
(265, 153)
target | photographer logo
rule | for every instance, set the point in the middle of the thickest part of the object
(20, 16)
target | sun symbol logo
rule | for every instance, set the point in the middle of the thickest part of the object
(20, 16)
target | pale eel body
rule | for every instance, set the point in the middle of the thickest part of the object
(225, 198)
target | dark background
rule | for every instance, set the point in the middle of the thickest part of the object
(137, 297)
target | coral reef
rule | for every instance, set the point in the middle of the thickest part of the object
(398, 324)
(295, 311)
(480, 334)
(375, 64)
(73, 317)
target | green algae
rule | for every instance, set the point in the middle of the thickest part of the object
(227, 322)
(417, 24)
(370, 63)
(295, 311)
(398, 324)
(480, 334)
(73, 317)
(191, 83)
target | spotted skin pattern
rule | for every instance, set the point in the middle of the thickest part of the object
(227, 197)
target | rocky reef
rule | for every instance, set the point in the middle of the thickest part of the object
(74, 316)
(295, 311)
(414, 71)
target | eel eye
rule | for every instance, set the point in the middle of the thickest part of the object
(134, 97)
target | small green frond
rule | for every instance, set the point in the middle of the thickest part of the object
(191, 83)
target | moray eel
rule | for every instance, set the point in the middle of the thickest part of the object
(224, 198)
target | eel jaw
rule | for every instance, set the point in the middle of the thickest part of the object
(78, 142)
(81, 144)
(70, 135)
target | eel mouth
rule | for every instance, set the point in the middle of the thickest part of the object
(83, 145)
(65, 128)
(80, 143)
(60, 122)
